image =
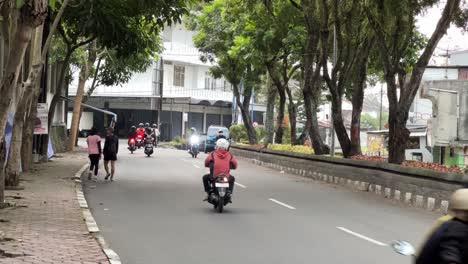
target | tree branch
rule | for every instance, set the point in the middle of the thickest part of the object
(450, 9)
(62, 33)
(378, 29)
(293, 70)
(296, 5)
(52, 30)
(85, 42)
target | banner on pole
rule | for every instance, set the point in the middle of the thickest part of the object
(42, 119)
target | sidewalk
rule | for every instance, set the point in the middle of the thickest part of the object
(46, 225)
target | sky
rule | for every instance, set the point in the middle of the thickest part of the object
(455, 39)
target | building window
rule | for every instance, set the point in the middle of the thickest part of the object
(179, 75)
(210, 83)
(413, 143)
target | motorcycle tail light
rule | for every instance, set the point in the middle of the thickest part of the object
(132, 140)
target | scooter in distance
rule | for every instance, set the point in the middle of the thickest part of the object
(139, 141)
(194, 146)
(132, 145)
(149, 148)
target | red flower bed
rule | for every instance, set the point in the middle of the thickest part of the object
(411, 163)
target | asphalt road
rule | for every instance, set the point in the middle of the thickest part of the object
(153, 213)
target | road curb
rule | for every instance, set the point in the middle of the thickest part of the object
(91, 224)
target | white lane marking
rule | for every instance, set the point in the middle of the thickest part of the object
(196, 166)
(362, 236)
(240, 185)
(283, 204)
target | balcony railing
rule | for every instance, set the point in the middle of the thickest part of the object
(201, 94)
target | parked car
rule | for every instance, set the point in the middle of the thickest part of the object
(211, 134)
(202, 142)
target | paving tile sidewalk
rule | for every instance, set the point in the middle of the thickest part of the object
(47, 225)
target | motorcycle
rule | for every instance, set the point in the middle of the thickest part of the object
(139, 141)
(149, 148)
(132, 145)
(194, 146)
(220, 197)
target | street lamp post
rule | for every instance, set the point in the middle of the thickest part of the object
(332, 125)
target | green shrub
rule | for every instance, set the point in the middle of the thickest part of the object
(238, 133)
(261, 133)
(178, 141)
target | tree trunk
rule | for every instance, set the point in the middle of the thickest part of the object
(10, 78)
(292, 111)
(270, 112)
(78, 131)
(244, 108)
(62, 80)
(2, 172)
(340, 128)
(28, 89)
(314, 132)
(312, 91)
(303, 137)
(280, 116)
(13, 166)
(88, 94)
(398, 136)
(28, 133)
(357, 102)
(84, 74)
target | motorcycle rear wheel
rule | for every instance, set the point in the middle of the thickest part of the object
(220, 205)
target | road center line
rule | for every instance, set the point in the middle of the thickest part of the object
(283, 204)
(362, 236)
(240, 185)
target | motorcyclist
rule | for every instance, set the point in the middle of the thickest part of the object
(148, 133)
(141, 130)
(448, 243)
(220, 161)
(220, 135)
(192, 132)
(147, 125)
(132, 133)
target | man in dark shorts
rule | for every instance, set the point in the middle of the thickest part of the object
(111, 148)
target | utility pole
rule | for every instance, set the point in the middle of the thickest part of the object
(381, 105)
(332, 125)
(160, 87)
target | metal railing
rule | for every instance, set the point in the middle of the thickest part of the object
(201, 94)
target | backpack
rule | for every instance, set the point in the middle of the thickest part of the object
(213, 161)
(112, 145)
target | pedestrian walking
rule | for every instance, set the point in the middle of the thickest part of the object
(94, 152)
(111, 148)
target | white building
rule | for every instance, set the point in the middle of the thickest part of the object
(456, 69)
(191, 97)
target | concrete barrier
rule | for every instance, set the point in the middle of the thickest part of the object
(418, 187)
